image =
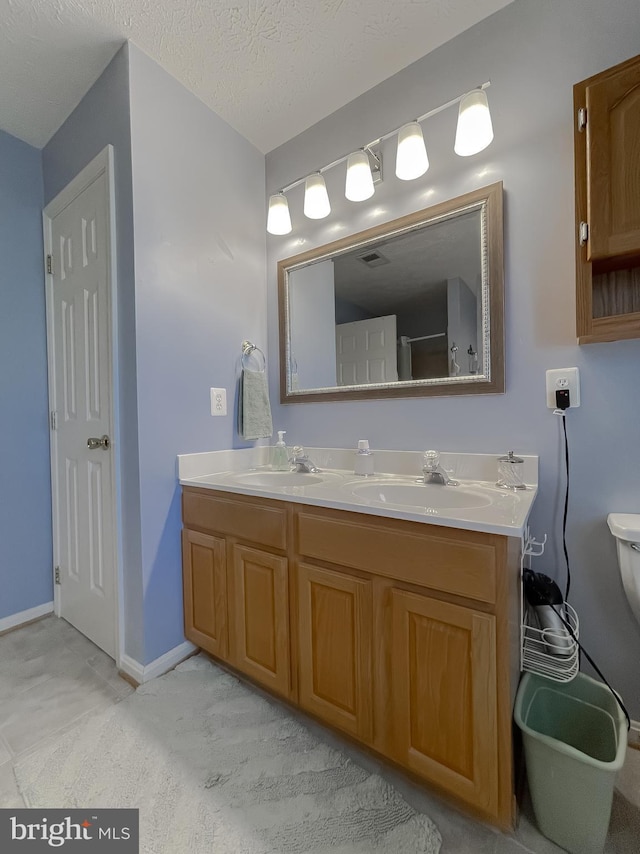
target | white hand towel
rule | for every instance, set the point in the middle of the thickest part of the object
(254, 409)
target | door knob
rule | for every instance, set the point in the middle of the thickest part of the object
(93, 443)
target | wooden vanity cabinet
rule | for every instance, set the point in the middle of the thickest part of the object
(236, 586)
(607, 177)
(204, 576)
(444, 696)
(335, 642)
(402, 635)
(444, 634)
(259, 608)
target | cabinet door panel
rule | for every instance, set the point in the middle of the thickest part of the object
(335, 637)
(613, 163)
(205, 591)
(444, 696)
(261, 617)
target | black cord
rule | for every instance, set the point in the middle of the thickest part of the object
(566, 508)
(563, 414)
(593, 664)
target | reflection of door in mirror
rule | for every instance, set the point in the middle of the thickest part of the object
(366, 351)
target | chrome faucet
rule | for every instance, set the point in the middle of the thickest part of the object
(300, 462)
(433, 472)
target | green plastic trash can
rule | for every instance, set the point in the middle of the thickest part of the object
(575, 739)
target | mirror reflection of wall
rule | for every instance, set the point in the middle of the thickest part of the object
(313, 327)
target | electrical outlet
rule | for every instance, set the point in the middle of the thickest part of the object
(560, 379)
(218, 401)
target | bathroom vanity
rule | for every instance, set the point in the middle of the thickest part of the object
(397, 625)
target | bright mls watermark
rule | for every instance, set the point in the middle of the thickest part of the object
(103, 831)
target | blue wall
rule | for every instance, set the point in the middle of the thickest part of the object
(102, 118)
(533, 52)
(198, 198)
(25, 520)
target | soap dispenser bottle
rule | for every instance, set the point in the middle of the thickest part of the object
(363, 464)
(279, 456)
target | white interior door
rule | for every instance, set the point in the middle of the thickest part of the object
(79, 330)
(366, 351)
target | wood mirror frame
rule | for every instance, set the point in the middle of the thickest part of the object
(489, 201)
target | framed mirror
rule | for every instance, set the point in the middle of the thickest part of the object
(409, 308)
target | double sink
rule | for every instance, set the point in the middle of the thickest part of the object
(389, 490)
(476, 503)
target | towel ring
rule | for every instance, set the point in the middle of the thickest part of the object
(247, 349)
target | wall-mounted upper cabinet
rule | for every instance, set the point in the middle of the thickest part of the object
(607, 171)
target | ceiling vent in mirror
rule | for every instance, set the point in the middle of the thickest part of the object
(373, 259)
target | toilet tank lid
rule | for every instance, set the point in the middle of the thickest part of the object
(625, 526)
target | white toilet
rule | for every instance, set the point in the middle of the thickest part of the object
(625, 527)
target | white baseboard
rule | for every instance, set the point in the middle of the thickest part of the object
(27, 616)
(132, 668)
(143, 673)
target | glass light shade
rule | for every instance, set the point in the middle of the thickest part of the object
(474, 131)
(411, 156)
(359, 184)
(316, 198)
(278, 218)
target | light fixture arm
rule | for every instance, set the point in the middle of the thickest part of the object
(368, 147)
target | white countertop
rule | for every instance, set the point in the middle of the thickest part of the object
(506, 512)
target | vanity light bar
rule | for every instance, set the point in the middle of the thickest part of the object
(474, 133)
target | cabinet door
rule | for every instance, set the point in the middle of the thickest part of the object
(444, 702)
(335, 641)
(260, 617)
(205, 591)
(613, 162)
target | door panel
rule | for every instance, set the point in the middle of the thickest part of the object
(260, 620)
(335, 635)
(81, 377)
(613, 164)
(205, 591)
(367, 351)
(444, 695)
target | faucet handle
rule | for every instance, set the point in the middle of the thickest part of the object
(298, 453)
(431, 460)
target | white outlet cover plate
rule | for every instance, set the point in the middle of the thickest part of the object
(218, 401)
(561, 378)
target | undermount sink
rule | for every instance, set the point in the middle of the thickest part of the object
(276, 478)
(423, 496)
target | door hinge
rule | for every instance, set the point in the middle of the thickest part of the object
(53, 419)
(583, 233)
(56, 574)
(49, 264)
(582, 119)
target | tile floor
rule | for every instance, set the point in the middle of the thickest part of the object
(51, 677)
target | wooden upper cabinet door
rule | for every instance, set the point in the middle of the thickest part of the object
(613, 162)
(335, 641)
(444, 696)
(205, 591)
(260, 618)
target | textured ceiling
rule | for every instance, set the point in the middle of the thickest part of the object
(271, 68)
